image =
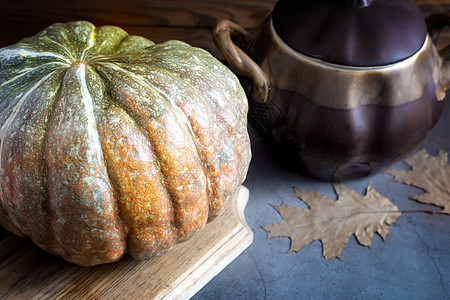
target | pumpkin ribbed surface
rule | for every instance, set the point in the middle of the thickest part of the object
(111, 143)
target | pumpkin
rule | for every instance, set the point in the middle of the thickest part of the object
(112, 144)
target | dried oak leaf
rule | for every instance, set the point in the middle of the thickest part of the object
(429, 173)
(333, 222)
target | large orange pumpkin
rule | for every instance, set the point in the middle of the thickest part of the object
(110, 143)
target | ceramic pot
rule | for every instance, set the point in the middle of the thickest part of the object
(344, 88)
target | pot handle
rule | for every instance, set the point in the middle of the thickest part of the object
(237, 58)
(436, 23)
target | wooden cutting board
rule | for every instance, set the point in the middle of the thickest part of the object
(27, 272)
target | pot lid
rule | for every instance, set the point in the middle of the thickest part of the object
(351, 32)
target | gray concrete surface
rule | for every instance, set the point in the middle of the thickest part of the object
(413, 262)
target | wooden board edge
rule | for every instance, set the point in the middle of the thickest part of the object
(179, 274)
(223, 253)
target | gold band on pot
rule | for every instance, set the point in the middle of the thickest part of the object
(345, 87)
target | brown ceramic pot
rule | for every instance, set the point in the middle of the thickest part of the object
(346, 87)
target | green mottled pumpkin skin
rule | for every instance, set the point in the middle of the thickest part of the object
(110, 143)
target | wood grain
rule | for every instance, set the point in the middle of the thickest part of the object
(19, 19)
(27, 272)
(158, 20)
(433, 7)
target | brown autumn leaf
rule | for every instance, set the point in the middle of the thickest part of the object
(429, 173)
(333, 222)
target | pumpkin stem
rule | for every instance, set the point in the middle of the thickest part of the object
(77, 62)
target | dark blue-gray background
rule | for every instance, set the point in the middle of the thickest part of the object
(413, 262)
